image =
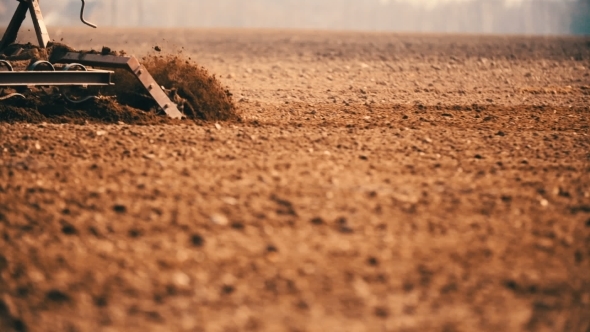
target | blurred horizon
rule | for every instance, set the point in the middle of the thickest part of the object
(535, 17)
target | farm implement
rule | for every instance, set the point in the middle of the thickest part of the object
(71, 72)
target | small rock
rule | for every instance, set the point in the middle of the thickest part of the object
(217, 126)
(382, 312)
(36, 276)
(69, 229)
(230, 200)
(119, 208)
(343, 225)
(101, 133)
(317, 221)
(57, 296)
(227, 289)
(219, 219)
(545, 243)
(271, 248)
(237, 225)
(372, 261)
(180, 279)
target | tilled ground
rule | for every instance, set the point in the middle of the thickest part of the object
(375, 182)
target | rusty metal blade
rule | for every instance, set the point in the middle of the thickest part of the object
(154, 89)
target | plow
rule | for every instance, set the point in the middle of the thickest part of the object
(71, 73)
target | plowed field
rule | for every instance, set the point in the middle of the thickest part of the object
(374, 182)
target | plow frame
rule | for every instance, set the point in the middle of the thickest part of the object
(87, 77)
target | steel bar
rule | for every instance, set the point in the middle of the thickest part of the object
(55, 78)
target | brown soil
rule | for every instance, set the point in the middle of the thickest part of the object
(199, 95)
(377, 182)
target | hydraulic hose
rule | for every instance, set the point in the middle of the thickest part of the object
(82, 16)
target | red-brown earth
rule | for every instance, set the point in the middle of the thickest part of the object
(375, 182)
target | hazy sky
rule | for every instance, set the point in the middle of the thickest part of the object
(433, 3)
(465, 16)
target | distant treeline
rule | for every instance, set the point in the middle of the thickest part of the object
(484, 16)
(581, 18)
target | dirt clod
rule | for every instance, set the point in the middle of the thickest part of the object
(120, 208)
(197, 240)
(317, 221)
(57, 296)
(69, 230)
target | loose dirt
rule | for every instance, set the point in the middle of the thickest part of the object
(376, 182)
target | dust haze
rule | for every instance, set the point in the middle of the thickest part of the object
(460, 16)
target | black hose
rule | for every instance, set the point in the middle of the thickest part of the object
(82, 16)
